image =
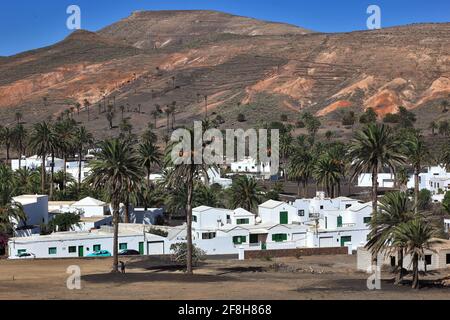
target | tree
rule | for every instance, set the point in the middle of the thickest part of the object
(241, 117)
(186, 173)
(149, 155)
(373, 148)
(82, 139)
(446, 202)
(27, 181)
(173, 109)
(155, 115)
(444, 106)
(444, 128)
(116, 170)
(349, 119)
(300, 168)
(19, 137)
(86, 105)
(43, 142)
(424, 200)
(244, 193)
(433, 127)
(18, 116)
(6, 138)
(110, 117)
(327, 173)
(65, 132)
(65, 222)
(329, 135)
(369, 116)
(417, 154)
(11, 212)
(415, 236)
(312, 124)
(395, 208)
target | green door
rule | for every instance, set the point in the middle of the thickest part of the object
(283, 217)
(141, 248)
(254, 238)
(339, 222)
(345, 239)
(80, 251)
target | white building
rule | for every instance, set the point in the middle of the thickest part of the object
(214, 177)
(35, 162)
(250, 165)
(35, 208)
(385, 180)
(81, 244)
(90, 207)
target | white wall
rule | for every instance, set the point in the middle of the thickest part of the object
(269, 215)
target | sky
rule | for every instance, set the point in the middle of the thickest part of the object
(30, 24)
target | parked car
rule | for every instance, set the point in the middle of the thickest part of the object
(26, 255)
(129, 252)
(101, 253)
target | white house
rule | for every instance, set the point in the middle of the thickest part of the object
(250, 165)
(215, 178)
(278, 212)
(35, 208)
(90, 207)
(81, 244)
(385, 180)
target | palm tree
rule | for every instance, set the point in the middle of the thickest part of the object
(65, 132)
(27, 181)
(110, 117)
(300, 169)
(401, 178)
(155, 115)
(417, 153)
(395, 209)
(327, 173)
(18, 116)
(415, 236)
(82, 139)
(244, 193)
(149, 155)
(168, 112)
(10, 211)
(87, 104)
(19, 136)
(173, 108)
(186, 173)
(6, 140)
(43, 142)
(115, 169)
(373, 148)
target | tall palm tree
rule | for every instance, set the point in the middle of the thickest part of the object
(82, 139)
(417, 154)
(173, 109)
(155, 115)
(373, 148)
(6, 138)
(65, 132)
(27, 181)
(187, 173)
(42, 142)
(115, 169)
(149, 155)
(18, 116)
(168, 112)
(433, 127)
(19, 136)
(416, 236)
(395, 208)
(9, 210)
(300, 169)
(327, 173)
(244, 193)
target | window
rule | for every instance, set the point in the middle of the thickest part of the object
(97, 247)
(339, 222)
(279, 237)
(52, 250)
(321, 207)
(208, 235)
(367, 220)
(447, 258)
(239, 239)
(20, 251)
(194, 218)
(243, 221)
(347, 206)
(392, 261)
(72, 249)
(301, 213)
(428, 259)
(123, 246)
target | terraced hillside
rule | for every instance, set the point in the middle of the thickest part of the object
(241, 65)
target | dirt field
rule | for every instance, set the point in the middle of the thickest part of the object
(318, 277)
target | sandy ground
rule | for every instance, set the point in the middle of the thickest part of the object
(318, 277)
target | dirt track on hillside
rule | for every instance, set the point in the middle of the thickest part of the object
(319, 277)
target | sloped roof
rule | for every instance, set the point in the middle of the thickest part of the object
(359, 206)
(88, 201)
(201, 209)
(270, 204)
(242, 212)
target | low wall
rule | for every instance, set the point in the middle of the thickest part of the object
(255, 254)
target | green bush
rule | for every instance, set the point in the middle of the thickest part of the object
(241, 118)
(180, 253)
(158, 232)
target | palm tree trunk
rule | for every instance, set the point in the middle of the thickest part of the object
(298, 188)
(126, 217)
(43, 173)
(190, 188)
(79, 169)
(305, 189)
(415, 282)
(399, 276)
(374, 205)
(65, 172)
(416, 189)
(7, 153)
(52, 171)
(115, 266)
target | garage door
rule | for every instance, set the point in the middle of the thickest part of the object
(326, 242)
(300, 239)
(155, 248)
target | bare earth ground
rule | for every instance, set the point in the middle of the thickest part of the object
(317, 277)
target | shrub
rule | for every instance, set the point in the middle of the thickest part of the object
(348, 119)
(180, 253)
(300, 124)
(241, 118)
(284, 117)
(369, 116)
(158, 232)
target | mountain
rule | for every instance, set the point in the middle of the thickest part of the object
(257, 68)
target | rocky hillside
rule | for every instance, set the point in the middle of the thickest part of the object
(242, 65)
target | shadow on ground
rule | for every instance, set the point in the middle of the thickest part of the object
(152, 277)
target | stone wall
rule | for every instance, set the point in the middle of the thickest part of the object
(256, 254)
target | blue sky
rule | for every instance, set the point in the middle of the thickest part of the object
(27, 24)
